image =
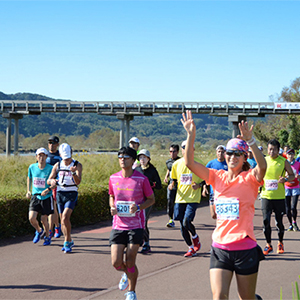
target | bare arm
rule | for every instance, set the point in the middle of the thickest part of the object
(28, 193)
(290, 173)
(167, 176)
(77, 173)
(149, 201)
(190, 127)
(246, 134)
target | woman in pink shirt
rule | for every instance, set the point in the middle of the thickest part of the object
(292, 191)
(234, 247)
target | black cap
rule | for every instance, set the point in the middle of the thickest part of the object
(129, 151)
(54, 138)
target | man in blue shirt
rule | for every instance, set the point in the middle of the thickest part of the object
(40, 194)
(218, 163)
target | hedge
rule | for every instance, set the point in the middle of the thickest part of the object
(92, 208)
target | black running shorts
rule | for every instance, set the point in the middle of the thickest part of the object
(125, 237)
(45, 207)
(243, 262)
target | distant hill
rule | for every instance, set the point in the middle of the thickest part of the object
(157, 127)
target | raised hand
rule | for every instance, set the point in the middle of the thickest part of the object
(246, 133)
(188, 122)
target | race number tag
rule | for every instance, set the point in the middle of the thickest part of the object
(186, 179)
(39, 182)
(123, 208)
(227, 208)
(271, 184)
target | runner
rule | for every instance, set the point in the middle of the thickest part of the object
(147, 169)
(292, 191)
(171, 194)
(129, 195)
(52, 159)
(218, 163)
(234, 247)
(134, 143)
(273, 194)
(188, 197)
(41, 196)
(69, 174)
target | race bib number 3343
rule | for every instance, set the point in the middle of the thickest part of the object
(227, 208)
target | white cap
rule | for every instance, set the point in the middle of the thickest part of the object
(221, 146)
(65, 151)
(134, 139)
(184, 143)
(41, 150)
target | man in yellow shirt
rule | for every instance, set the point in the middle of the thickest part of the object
(187, 199)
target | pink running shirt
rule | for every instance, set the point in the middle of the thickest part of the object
(134, 188)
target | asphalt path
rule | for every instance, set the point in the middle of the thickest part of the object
(34, 271)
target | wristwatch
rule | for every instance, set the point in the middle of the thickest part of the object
(138, 208)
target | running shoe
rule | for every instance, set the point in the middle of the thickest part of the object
(295, 227)
(291, 228)
(190, 253)
(197, 244)
(123, 284)
(50, 234)
(71, 245)
(130, 295)
(57, 232)
(38, 236)
(47, 241)
(146, 249)
(280, 248)
(171, 224)
(268, 249)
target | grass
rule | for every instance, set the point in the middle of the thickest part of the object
(295, 291)
(96, 170)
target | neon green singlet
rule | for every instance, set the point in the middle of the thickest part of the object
(275, 168)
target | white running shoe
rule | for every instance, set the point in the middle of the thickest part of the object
(123, 284)
(130, 295)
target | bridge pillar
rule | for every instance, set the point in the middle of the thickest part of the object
(16, 118)
(235, 120)
(124, 129)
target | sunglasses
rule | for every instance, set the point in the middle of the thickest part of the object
(183, 147)
(123, 156)
(236, 153)
(173, 151)
(52, 143)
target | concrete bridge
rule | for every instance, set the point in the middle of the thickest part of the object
(125, 112)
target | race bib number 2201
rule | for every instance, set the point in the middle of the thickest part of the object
(123, 208)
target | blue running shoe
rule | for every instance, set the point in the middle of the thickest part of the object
(57, 232)
(37, 236)
(71, 245)
(47, 241)
(50, 234)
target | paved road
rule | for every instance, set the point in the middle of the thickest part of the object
(31, 271)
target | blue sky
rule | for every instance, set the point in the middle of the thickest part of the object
(149, 50)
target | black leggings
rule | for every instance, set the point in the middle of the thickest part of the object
(291, 207)
(146, 230)
(268, 206)
(187, 227)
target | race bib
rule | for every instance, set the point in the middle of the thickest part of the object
(271, 184)
(186, 179)
(39, 182)
(227, 208)
(123, 208)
